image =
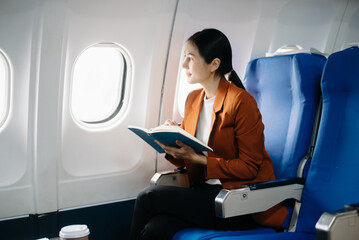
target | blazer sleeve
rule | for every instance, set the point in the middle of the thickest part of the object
(248, 144)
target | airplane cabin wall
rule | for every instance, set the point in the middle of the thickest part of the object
(112, 163)
(50, 162)
(19, 41)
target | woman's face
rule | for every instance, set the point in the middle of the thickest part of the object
(197, 70)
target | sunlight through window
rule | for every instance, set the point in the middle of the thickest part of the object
(184, 88)
(98, 85)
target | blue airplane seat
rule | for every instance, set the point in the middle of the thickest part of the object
(333, 179)
(287, 90)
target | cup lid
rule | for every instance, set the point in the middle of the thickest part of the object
(74, 231)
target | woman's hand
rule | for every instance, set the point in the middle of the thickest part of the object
(184, 152)
(171, 123)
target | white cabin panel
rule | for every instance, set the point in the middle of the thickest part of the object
(48, 160)
(349, 27)
(106, 162)
(19, 41)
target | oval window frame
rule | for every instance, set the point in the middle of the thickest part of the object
(125, 89)
(4, 113)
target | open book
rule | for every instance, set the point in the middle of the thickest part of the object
(168, 136)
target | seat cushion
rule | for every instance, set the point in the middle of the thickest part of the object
(276, 236)
(203, 234)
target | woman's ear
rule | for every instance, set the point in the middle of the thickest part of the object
(214, 65)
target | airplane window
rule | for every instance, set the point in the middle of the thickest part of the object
(184, 88)
(4, 87)
(98, 85)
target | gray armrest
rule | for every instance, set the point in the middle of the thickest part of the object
(171, 178)
(256, 198)
(339, 224)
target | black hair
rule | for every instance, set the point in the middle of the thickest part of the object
(211, 44)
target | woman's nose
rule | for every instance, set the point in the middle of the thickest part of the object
(185, 64)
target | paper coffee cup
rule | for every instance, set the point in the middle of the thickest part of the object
(77, 231)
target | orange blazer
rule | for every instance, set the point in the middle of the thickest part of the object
(237, 138)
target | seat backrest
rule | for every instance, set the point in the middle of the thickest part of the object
(333, 178)
(287, 90)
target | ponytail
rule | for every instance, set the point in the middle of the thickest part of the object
(211, 44)
(233, 77)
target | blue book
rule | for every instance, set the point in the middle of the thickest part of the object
(168, 135)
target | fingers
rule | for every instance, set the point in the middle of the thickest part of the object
(169, 122)
(178, 153)
(184, 152)
(178, 142)
(169, 150)
(161, 145)
(181, 144)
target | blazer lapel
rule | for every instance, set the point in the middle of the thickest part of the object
(219, 100)
(193, 114)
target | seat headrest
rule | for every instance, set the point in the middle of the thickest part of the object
(349, 45)
(294, 49)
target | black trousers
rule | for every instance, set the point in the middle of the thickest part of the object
(161, 211)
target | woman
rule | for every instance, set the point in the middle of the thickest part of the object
(225, 116)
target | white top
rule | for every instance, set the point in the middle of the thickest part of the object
(204, 121)
(204, 127)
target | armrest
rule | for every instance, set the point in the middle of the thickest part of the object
(178, 178)
(339, 224)
(257, 197)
